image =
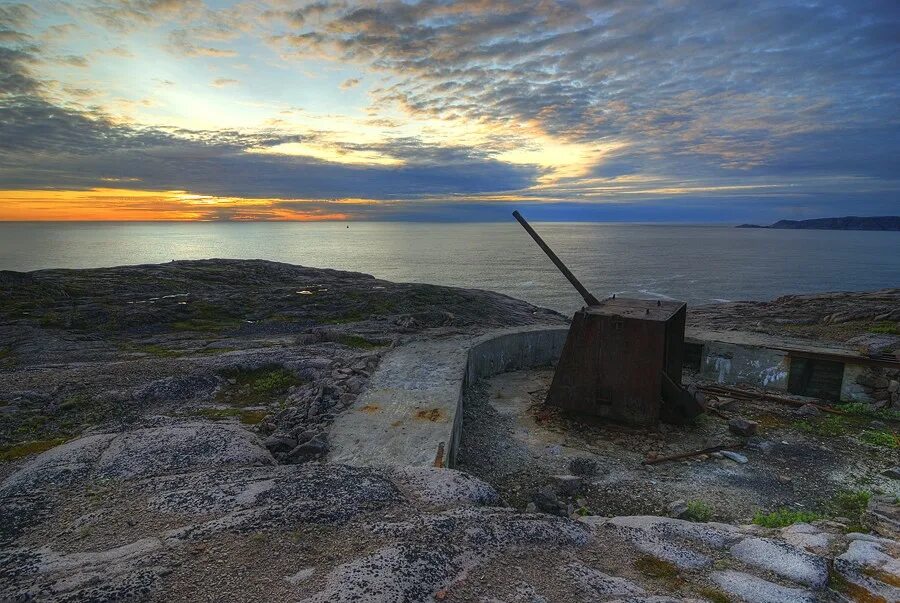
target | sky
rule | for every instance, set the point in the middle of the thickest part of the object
(615, 110)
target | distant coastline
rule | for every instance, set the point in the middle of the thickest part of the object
(845, 223)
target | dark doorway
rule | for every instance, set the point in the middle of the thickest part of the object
(816, 378)
(693, 356)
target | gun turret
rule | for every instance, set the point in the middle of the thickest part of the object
(622, 358)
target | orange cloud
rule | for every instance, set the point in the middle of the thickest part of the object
(115, 204)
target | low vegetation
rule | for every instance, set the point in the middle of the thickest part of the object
(860, 409)
(697, 510)
(848, 505)
(784, 517)
(17, 451)
(886, 327)
(884, 439)
(830, 426)
(713, 594)
(656, 568)
(851, 504)
(258, 387)
(247, 417)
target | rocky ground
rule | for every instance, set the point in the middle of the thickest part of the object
(857, 318)
(796, 458)
(161, 430)
(276, 347)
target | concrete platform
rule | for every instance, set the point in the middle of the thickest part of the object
(411, 413)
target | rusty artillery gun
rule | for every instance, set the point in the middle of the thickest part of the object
(622, 358)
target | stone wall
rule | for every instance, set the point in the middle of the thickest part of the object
(873, 385)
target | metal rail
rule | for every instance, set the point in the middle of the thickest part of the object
(585, 294)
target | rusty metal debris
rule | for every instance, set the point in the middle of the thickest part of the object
(693, 453)
(439, 457)
(622, 358)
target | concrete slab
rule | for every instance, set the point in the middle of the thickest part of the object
(406, 415)
(772, 342)
(411, 412)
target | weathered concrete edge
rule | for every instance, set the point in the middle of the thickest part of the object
(496, 353)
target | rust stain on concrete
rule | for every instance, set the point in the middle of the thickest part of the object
(370, 408)
(434, 415)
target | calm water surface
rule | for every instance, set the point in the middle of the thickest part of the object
(698, 264)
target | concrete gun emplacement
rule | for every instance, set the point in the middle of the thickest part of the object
(622, 359)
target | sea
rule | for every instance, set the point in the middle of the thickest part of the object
(699, 264)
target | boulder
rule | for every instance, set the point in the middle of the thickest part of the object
(808, 410)
(742, 427)
(806, 536)
(567, 485)
(871, 565)
(545, 500)
(734, 456)
(893, 472)
(279, 443)
(883, 516)
(677, 509)
(313, 449)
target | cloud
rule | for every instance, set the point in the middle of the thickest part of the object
(119, 51)
(702, 87)
(547, 102)
(72, 61)
(181, 43)
(78, 150)
(125, 15)
(83, 93)
(222, 82)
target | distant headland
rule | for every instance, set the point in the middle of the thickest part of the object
(845, 223)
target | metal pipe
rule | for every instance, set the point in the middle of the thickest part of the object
(585, 294)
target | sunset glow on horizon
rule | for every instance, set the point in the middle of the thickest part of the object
(300, 110)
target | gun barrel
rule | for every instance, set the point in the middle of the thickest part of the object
(585, 294)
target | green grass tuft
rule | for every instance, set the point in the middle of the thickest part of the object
(886, 327)
(851, 503)
(23, 449)
(713, 594)
(697, 510)
(258, 387)
(830, 426)
(860, 409)
(784, 517)
(656, 568)
(357, 342)
(879, 438)
(247, 417)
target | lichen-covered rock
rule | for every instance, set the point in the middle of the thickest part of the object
(444, 487)
(594, 583)
(783, 559)
(807, 537)
(402, 573)
(871, 565)
(747, 587)
(169, 448)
